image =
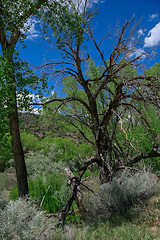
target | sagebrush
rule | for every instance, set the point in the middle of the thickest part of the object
(120, 194)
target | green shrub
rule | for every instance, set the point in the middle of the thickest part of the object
(58, 149)
(13, 194)
(41, 164)
(68, 147)
(30, 142)
(85, 150)
(87, 173)
(67, 151)
(4, 181)
(47, 180)
(20, 220)
(154, 163)
(50, 191)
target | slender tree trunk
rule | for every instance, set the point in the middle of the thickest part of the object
(21, 171)
(17, 149)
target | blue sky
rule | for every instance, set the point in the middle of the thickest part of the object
(109, 13)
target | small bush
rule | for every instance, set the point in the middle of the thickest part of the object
(120, 194)
(20, 220)
(41, 165)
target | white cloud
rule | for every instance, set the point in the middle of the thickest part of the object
(153, 37)
(30, 29)
(31, 98)
(34, 111)
(37, 110)
(139, 52)
(153, 16)
(140, 32)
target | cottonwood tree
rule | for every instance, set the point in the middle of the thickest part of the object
(14, 76)
(108, 92)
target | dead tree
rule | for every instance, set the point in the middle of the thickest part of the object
(109, 94)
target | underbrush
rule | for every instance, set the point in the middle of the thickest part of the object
(58, 149)
(50, 192)
(20, 220)
(117, 196)
(47, 183)
(116, 210)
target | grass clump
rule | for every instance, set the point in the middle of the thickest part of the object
(126, 231)
(50, 192)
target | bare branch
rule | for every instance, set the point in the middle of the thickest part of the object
(90, 34)
(82, 133)
(64, 101)
(75, 182)
(153, 153)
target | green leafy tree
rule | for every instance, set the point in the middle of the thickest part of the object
(13, 16)
(14, 73)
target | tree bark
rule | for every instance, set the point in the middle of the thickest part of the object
(17, 149)
(19, 161)
(104, 155)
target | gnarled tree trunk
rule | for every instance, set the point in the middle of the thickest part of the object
(104, 156)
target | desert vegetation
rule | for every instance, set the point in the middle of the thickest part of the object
(87, 165)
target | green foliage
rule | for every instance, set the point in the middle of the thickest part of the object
(87, 173)
(153, 71)
(4, 181)
(57, 149)
(47, 182)
(141, 138)
(126, 231)
(85, 150)
(66, 21)
(68, 148)
(5, 139)
(30, 142)
(5, 152)
(52, 192)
